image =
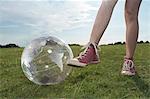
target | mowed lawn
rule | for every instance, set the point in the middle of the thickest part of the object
(96, 81)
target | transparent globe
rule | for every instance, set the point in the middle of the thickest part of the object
(44, 60)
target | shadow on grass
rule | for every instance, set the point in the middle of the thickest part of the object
(143, 87)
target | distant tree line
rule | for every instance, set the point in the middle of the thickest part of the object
(121, 43)
(74, 45)
(116, 43)
(9, 46)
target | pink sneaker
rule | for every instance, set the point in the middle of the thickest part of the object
(89, 56)
(128, 68)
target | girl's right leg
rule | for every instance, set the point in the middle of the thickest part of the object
(90, 55)
(102, 20)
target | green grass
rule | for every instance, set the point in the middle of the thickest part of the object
(101, 80)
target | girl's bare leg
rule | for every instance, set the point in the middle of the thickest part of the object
(102, 20)
(132, 27)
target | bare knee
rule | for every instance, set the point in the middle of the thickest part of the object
(131, 14)
(109, 3)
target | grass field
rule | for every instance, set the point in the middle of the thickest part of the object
(101, 80)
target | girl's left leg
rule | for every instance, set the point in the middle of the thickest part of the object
(132, 29)
(132, 26)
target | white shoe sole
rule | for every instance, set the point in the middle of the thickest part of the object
(127, 73)
(75, 62)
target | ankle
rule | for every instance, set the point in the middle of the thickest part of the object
(94, 43)
(128, 58)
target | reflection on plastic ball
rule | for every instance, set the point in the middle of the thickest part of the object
(44, 60)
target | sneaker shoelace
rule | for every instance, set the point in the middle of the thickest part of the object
(128, 65)
(84, 53)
